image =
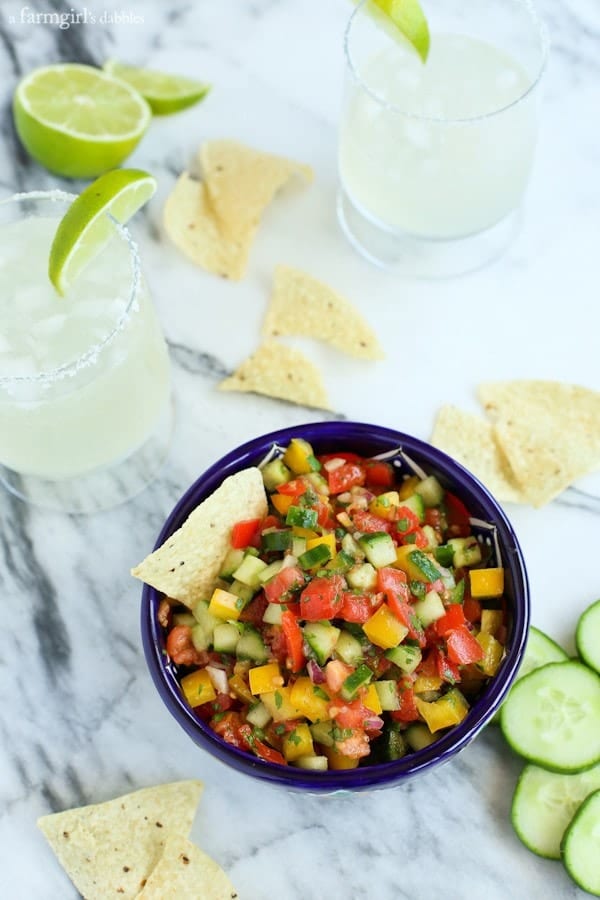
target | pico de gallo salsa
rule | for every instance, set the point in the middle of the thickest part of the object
(353, 625)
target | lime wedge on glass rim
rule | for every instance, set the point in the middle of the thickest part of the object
(78, 121)
(85, 229)
(165, 93)
(406, 17)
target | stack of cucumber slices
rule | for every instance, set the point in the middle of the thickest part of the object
(552, 719)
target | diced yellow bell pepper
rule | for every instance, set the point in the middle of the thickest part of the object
(385, 505)
(491, 620)
(493, 653)
(338, 760)
(327, 539)
(264, 679)
(238, 686)
(307, 533)
(408, 487)
(311, 699)
(280, 706)
(198, 688)
(298, 743)
(371, 700)
(425, 683)
(299, 457)
(225, 605)
(282, 502)
(384, 629)
(487, 582)
(447, 711)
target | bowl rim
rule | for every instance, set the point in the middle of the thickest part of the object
(380, 774)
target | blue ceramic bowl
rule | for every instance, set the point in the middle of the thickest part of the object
(412, 456)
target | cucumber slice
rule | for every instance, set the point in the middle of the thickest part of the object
(349, 649)
(379, 548)
(587, 636)
(225, 637)
(431, 491)
(362, 577)
(552, 717)
(581, 845)
(544, 803)
(250, 646)
(321, 637)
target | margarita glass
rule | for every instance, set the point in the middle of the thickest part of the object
(434, 157)
(85, 412)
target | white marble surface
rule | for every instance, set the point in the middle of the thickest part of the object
(80, 720)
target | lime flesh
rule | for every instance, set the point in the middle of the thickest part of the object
(165, 93)
(407, 17)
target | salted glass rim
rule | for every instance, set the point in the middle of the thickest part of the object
(89, 357)
(544, 42)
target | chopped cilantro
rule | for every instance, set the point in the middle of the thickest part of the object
(278, 700)
(319, 692)
(294, 737)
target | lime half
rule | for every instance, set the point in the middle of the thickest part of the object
(78, 121)
(405, 16)
(165, 93)
(86, 228)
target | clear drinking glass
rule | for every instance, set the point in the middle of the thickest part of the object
(85, 405)
(434, 157)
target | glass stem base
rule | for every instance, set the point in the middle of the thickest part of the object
(420, 257)
(103, 488)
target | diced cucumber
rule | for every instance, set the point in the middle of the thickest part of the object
(405, 656)
(466, 551)
(251, 646)
(271, 570)
(258, 715)
(431, 491)
(362, 577)
(551, 717)
(319, 483)
(204, 617)
(391, 745)
(312, 763)
(184, 618)
(249, 570)
(243, 591)
(277, 539)
(352, 547)
(323, 732)
(587, 636)
(430, 608)
(348, 648)
(416, 505)
(232, 560)
(275, 473)
(298, 546)
(201, 638)
(273, 613)
(357, 679)
(418, 736)
(457, 593)
(387, 691)
(321, 637)
(316, 556)
(379, 548)
(544, 803)
(341, 562)
(444, 555)
(431, 537)
(301, 516)
(417, 565)
(225, 637)
(580, 846)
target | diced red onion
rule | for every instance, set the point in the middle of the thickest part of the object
(219, 679)
(374, 723)
(315, 672)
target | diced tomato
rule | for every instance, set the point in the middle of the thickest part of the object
(406, 520)
(420, 540)
(433, 517)
(324, 514)
(231, 728)
(359, 607)
(243, 533)
(254, 612)
(368, 522)
(221, 703)
(350, 714)
(345, 477)
(275, 639)
(267, 753)
(294, 639)
(404, 611)
(270, 522)
(277, 589)
(343, 454)
(427, 666)
(462, 647)
(378, 662)
(407, 712)
(457, 516)
(180, 647)
(454, 617)
(355, 746)
(445, 668)
(336, 673)
(322, 598)
(472, 609)
(294, 488)
(393, 581)
(379, 474)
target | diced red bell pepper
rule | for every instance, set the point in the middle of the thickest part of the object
(368, 522)
(446, 669)
(359, 607)
(294, 639)
(322, 598)
(344, 477)
(379, 474)
(462, 647)
(452, 619)
(472, 609)
(457, 516)
(277, 589)
(243, 533)
(267, 753)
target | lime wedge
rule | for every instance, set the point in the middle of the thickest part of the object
(165, 93)
(86, 228)
(405, 16)
(78, 121)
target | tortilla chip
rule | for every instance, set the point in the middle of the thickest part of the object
(470, 440)
(241, 182)
(301, 305)
(279, 371)
(186, 566)
(191, 224)
(185, 872)
(110, 849)
(549, 432)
